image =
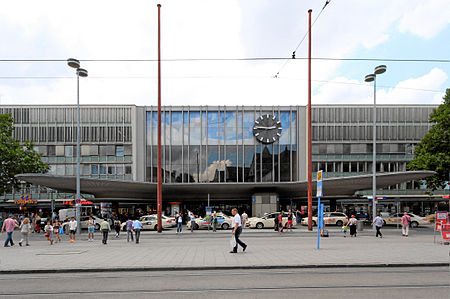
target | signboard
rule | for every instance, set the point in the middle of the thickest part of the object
(438, 226)
(319, 184)
(77, 201)
(208, 210)
(25, 199)
(441, 217)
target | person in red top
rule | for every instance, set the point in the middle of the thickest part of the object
(406, 221)
(280, 222)
(9, 225)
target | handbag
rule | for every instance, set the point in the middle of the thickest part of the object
(61, 230)
(47, 235)
(232, 242)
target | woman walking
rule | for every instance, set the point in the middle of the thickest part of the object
(352, 224)
(214, 221)
(49, 232)
(289, 222)
(179, 219)
(117, 227)
(91, 229)
(25, 230)
(56, 228)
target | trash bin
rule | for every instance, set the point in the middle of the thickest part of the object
(360, 225)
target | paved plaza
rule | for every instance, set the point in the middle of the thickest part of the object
(207, 250)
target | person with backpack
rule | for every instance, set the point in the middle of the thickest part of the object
(117, 226)
(406, 222)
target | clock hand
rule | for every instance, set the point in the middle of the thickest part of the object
(265, 128)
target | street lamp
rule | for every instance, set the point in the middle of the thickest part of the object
(74, 63)
(369, 78)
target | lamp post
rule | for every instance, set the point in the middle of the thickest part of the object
(369, 78)
(74, 63)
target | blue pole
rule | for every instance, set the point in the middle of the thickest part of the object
(319, 216)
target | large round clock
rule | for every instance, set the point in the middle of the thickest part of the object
(267, 128)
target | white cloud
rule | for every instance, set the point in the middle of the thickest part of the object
(426, 19)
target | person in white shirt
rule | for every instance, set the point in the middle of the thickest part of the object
(192, 219)
(378, 221)
(237, 230)
(72, 229)
(244, 217)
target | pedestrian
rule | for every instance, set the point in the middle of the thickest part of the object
(280, 222)
(25, 230)
(137, 229)
(56, 230)
(237, 230)
(105, 228)
(275, 220)
(49, 232)
(344, 230)
(117, 226)
(129, 226)
(406, 222)
(179, 220)
(214, 221)
(31, 222)
(298, 219)
(378, 222)
(91, 229)
(244, 217)
(352, 225)
(192, 219)
(289, 222)
(37, 221)
(9, 225)
(72, 229)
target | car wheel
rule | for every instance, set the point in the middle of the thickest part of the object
(97, 226)
(259, 225)
(314, 223)
(414, 224)
(225, 226)
(339, 223)
(196, 226)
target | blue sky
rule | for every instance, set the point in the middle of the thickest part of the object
(46, 29)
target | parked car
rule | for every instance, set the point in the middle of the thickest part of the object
(397, 218)
(84, 223)
(329, 218)
(267, 221)
(223, 222)
(150, 222)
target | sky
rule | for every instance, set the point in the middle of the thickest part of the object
(96, 30)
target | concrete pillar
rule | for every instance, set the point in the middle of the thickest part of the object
(264, 203)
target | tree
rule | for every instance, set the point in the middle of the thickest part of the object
(433, 151)
(16, 158)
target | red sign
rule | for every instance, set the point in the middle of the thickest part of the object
(441, 217)
(446, 235)
(438, 226)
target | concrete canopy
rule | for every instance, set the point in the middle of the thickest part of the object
(130, 190)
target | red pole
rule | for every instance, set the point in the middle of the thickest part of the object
(309, 128)
(159, 188)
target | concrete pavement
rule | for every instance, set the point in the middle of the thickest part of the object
(203, 250)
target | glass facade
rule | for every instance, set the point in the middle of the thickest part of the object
(203, 144)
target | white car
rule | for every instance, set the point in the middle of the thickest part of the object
(150, 222)
(268, 221)
(223, 222)
(329, 218)
(397, 218)
(84, 223)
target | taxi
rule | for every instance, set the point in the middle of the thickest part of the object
(223, 222)
(268, 221)
(396, 218)
(150, 222)
(329, 218)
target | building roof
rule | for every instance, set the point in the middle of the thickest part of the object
(131, 190)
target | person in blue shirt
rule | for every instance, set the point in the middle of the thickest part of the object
(137, 229)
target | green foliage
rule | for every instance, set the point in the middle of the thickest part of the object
(433, 152)
(15, 158)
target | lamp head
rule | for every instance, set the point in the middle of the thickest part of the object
(82, 72)
(380, 69)
(369, 78)
(72, 62)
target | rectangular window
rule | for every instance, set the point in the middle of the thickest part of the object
(94, 169)
(51, 150)
(102, 168)
(119, 150)
(111, 169)
(68, 151)
(127, 169)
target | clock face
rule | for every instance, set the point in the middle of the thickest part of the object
(267, 129)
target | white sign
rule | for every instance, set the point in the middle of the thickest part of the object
(319, 192)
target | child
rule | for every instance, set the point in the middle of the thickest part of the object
(25, 230)
(49, 232)
(344, 230)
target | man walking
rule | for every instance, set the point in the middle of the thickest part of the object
(105, 228)
(406, 221)
(72, 229)
(137, 229)
(244, 217)
(179, 219)
(9, 225)
(192, 219)
(129, 226)
(237, 230)
(378, 222)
